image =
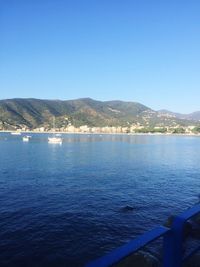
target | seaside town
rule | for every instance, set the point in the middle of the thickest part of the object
(133, 129)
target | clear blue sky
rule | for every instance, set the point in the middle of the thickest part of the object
(137, 50)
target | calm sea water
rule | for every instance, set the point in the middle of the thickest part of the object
(62, 205)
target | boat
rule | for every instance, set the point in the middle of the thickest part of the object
(26, 138)
(15, 133)
(55, 139)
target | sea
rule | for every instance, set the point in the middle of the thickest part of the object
(65, 205)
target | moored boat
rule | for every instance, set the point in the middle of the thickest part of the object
(26, 138)
(55, 140)
(16, 133)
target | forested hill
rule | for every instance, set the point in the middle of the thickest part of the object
(33, 113)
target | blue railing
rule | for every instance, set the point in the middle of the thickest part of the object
(173, 240)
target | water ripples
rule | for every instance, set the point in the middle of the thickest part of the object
(64, 205)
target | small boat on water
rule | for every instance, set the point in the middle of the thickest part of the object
(55, 140)
(15, 133)
(26, 138)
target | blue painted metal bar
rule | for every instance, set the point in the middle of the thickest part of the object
(172, 243)
(178, 234)
(168, 250)
(127, 249)
(177, 231)
(186, 215)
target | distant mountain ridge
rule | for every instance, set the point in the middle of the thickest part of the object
(191, 116)
(32, 113)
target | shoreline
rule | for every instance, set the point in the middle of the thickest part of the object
(99, 133)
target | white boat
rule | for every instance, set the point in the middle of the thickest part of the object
(55, 140)
(26, 138)
(15, 133)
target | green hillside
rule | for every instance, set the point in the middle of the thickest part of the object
(33, 113)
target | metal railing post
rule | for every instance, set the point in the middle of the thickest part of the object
(173, 240)
(168, 250)
(177, 231)
(173, 244)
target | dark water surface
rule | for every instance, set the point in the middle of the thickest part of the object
(62, 205)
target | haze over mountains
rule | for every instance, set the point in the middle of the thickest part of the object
(33, 113)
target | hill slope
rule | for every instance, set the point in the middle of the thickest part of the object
(33, 113)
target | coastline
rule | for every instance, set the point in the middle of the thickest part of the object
(99, 133)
